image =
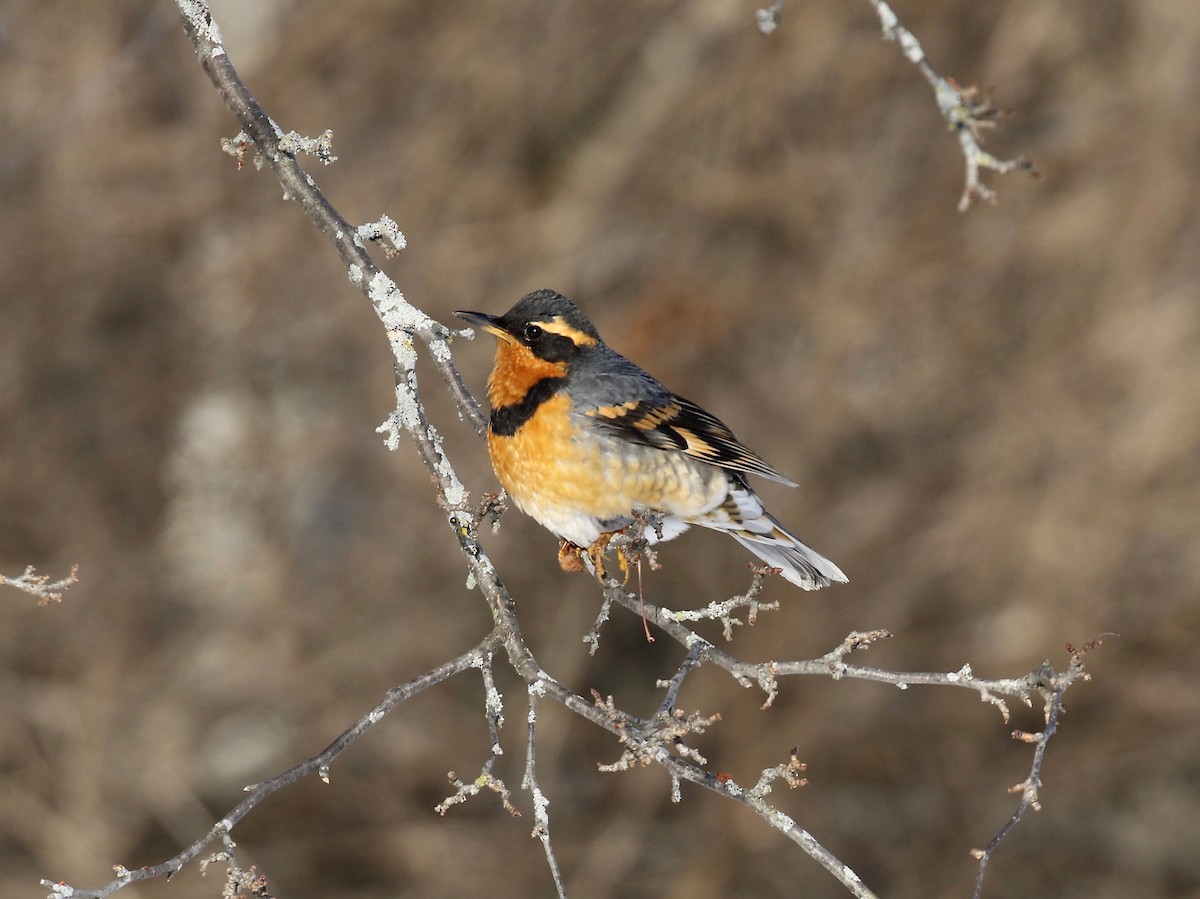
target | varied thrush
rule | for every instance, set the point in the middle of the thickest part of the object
(582, 439)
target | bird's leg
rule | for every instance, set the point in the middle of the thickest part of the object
(596, 554)
(568, 556)
(623, 562)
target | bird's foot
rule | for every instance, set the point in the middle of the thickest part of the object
(596, 553)
(568, 556)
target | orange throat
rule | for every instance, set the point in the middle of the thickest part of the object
(516, 371)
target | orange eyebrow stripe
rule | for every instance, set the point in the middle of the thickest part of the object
(573, 334)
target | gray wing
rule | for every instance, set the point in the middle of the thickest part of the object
(651, 415)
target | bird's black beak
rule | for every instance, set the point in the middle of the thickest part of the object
(489, 323)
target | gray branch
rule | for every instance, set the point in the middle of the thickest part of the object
(966, 110)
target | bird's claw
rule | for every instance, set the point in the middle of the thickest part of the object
(596, 553)
(570, 558)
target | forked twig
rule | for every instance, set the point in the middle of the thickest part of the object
(40, 585)
(966, 110)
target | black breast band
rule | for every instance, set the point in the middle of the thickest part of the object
(507, 420)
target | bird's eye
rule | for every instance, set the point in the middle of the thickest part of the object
(533, 332)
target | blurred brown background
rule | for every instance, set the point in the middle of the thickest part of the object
(994, 419)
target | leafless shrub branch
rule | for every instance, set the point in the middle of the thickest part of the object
(966, 110)
(320, 763)
(541, 804)
(659, 739)
(1052, 685)
(41, 586)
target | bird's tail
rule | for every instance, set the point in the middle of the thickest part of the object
(799, 563)
(743, 517)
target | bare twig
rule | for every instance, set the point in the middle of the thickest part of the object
(592, 637)
(464, 790)
(541, 805)
(723, 611)
(41, 586)
(791, 772)
(963, 109)
(239, 881)
(966, 110)
(689, 664)
(494, 715)
(1053, 686)
(258, 792)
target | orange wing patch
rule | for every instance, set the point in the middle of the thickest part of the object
(655, 417)
(698, 446)
(613, 412)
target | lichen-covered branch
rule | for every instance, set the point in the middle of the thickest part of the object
(966, 110)
(541, 804)
(494, 716)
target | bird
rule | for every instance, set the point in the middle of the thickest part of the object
(583, 440)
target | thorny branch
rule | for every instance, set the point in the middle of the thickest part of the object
(966, 110)
(659, 739)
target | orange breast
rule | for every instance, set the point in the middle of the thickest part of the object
(545, 470)
(570, 479)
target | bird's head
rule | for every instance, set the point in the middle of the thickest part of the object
(543, 325)
(538, 339)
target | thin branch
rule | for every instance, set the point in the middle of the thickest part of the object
(41, 586)
(1053, 687)
(832, 664)
(239, 881)
(592, 637)
(964, 110)
(723, 611)
(689, 664)
(541, 805)
(494, 715)
(626, 727)
(258, 792)
(791, 773)
(401, 319)
(1044, 680)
